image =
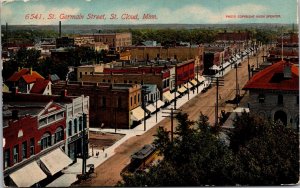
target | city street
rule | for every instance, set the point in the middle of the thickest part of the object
(108, 173)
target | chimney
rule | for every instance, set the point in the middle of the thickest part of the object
(287, 73)
(59, 29)
(15, 114)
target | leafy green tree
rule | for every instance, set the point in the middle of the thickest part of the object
(268, 153)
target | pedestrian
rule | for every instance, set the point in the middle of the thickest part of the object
(103, 149)
(97, 154)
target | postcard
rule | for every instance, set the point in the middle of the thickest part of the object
(149, 93)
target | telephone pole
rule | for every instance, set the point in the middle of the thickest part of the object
(172, 118)
(219, 81)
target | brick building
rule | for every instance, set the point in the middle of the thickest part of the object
(111, 105)
(114, 40)
(34, 129)
(234, 36)
(274, 93)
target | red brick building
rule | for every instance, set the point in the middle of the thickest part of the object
(34, 129)
(111, 104)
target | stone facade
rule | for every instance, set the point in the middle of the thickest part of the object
(267, 103)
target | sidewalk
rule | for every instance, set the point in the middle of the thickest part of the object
(71, 172)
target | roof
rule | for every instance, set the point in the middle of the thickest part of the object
(39, 86)
(271, 78)
(25, 72)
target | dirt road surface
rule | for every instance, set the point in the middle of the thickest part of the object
(108, 173)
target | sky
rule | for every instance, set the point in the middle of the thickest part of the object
(45, 12)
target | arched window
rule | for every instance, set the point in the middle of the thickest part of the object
(59, 134)
(70, 128)
(45, 141)
(75, 126)
(80, 124)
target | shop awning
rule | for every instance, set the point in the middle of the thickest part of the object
(151, 108)
(159, 104)
(55, 161)
(181, 89)
(188, 85)
(194, 82)
(167, 96)
(201, 79)
(137, 114)
(215, 67)
(28, 175)
(226, 64)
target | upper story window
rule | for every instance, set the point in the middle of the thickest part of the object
(32, 145)
(16, 154)
(280, 99)
(103, 102)
(24, 150)
(297, 99)
(59, 135)
(75, 125)
(45, 141)
(80, 123)
(6, 158)
(261, 98)
(119, 102)
(70, 128)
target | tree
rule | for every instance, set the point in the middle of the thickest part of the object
(261, 153)
(197, 157)
(267, 153)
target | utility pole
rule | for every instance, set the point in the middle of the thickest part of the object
(219, 81)
(237, 96)
(248, 68)
(156, 109)
(197, 79)
(144, 92)
(172, 118)
(175, 85)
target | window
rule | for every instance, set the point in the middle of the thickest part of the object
(135, 99)
(297, 99)
(70, 128)
(59, 135)
(16, 154)
(119, 102)
(24, 150)
(31, 146)
(138, 98)
(103, 80)
(6, 158)
(59, 115)
(261, 98)
(280, 99)
(51, 118)
(80, 75)
(43, 121)
(130, 101)
(75, 126)
(104, 102)
(80, 123)
(45, 141)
